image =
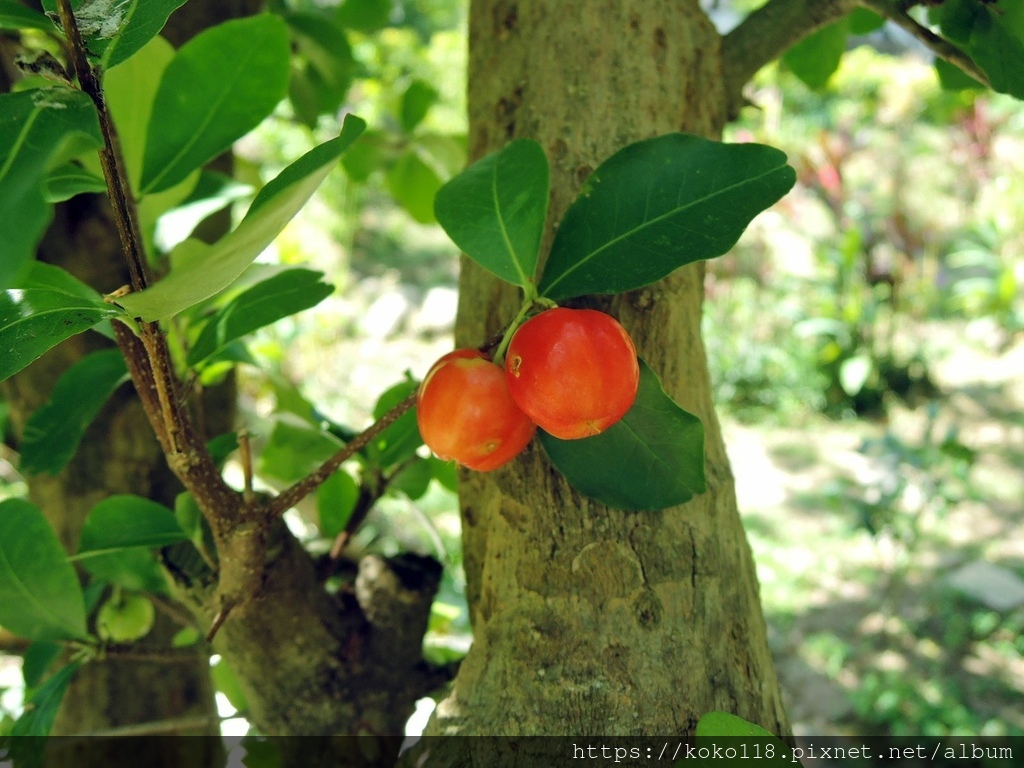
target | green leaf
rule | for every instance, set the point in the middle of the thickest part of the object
(37, 720)
(69, 180)
(365, 15)
(295, 450)
(996, 48)
(40, 130)
(285, 294)
(413, 478)
(657, 205)
(652, 459)
(40, 597)
(724, 724)
(134, 569)
(366, 156)
(863, 21)
(14, 15)
(722, 731)
(335, 501)
(53, 278)
(200, 271)
(214, 192)
(55, 429)
(34, 319)
(952, 78)
(495, 210)
(417, 100)
(37, 659)
(445, 473)
(400, 440)
(414, 184)
(126, 521)
(130, 90)
(218, 87)
(816, 58)
(323, 68)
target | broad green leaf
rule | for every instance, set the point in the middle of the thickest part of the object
(14, 15)
(365, 15)
(37, 720)
(445, 473)
(53, 278)
(213, 193)
(294, 450)
(446, 153)
(125, 521)
(999, 50)
(956, 18)
(366, 156)
(200, 271)
(413, 478)
(69, 180)
(400, 440)
(495, 210)
(322, 68)
(657, 205)
(413, 184)
(36, 660)
(652, 459)
(217, 88)
(135, 568)
(55, 429)
(725, 732)
(130, 90)
(952, 78)
(285, 294)
(34, 319)
(863, 21)
(40, 130)
(40, 597)
(335, 501)
(417, 100)
(724, 724)
(816, 58)
(114, 30)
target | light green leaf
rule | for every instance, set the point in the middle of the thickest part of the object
(413, 183)
(214, 192)
(14, 15)
(652, 459)
(34, 319)
(27, 748)
(400, 440)
(130, 90)
(218, 87)
(40, 130)
(126, 521)
(719, 731)
(495, 210)
(816, 58)
(417, 100)
(724, 724)
(53, 278)
(323, 67)
(863, 21)
(69, 180)
(55, 429)
(365, 15)
(40, 597)
(335, 500)
(285, 294)
(294, 450)
(657, 205)
(200, 271)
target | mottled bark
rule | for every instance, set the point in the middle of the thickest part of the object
(589, 620)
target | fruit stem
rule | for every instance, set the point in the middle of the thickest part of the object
(530, 303)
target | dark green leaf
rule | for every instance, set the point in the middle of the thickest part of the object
(996, 48)
(413, 478)
(365, 15)
(863, 21)
(417, 100)
(414, 183)
(55, 429)
(952, 78)
(222, 446)
(956, 18)
(37, 660)
(39, 130)
(14, 15)
(816, 58)
(323, 68)
(652, 459)
(400, 440)
(495, 210)
(69, 180)
(218, 87)
(445, 473)
(295, 450)
(199, 271)
(657, 205)
(285, 294)
(335, 500)
(37, 720)
(113, 31)
(34, 319)
(53, 278)
(40, 597)
(724, 724)
(125, 521)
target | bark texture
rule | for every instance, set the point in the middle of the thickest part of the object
(589, 620)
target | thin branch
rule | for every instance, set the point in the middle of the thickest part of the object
(160, 726)
(301, 489)
(766, 33)
(245, 449)
(896, 12)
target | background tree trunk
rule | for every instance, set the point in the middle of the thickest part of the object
(590, 620)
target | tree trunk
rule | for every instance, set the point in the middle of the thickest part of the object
(589, 620)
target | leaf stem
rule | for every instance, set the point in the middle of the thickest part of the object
(528, 306)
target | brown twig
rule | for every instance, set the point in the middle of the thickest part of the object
(291, 496)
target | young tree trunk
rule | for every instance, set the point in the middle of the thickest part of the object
(589, 620)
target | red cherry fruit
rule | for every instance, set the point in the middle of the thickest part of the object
(573, 371)
(465, 412)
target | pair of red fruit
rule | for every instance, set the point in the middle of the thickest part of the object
(572, 372)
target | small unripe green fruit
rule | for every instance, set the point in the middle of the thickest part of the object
(125, 620)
